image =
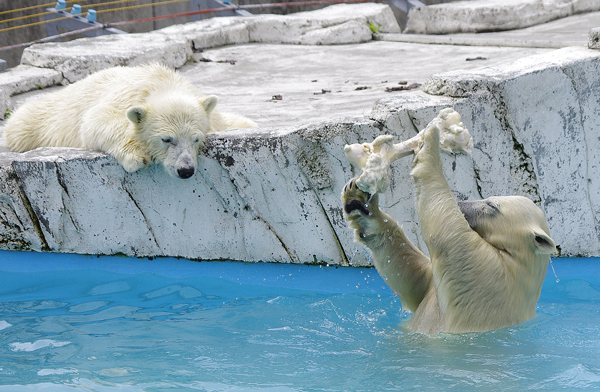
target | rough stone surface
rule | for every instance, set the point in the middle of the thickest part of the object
(211, 33)
(594, 38)
(261, 196)
(491, 15)
(173, 46)
(4, 103)
(338, 24)
(79, 58)
(24, 78)
(273, 194)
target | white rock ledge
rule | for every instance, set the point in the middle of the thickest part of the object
(337, 24)
(260, 195)
(491, 15)
(274, 194)
(47, 64)
(173, 46)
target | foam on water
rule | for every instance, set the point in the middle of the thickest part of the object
(81, 323)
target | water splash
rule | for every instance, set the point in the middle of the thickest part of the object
(554, 271)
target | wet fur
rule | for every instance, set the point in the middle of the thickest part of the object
(488, 257)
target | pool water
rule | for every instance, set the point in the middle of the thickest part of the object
(86, 323)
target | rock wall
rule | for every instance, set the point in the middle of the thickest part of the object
(49, 64)
(274, 194)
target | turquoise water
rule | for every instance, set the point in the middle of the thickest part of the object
(83, 323)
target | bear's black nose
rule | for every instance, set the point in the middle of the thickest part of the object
(185, 172)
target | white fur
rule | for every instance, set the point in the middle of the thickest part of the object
(481, 278)
(140, 115)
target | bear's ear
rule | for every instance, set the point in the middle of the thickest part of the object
(543, 244)
(136, 114)
(209, 103)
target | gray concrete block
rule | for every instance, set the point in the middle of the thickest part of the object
(79, 58)
(491, 15)
(338, 24)
(23, 78)
(594, 38)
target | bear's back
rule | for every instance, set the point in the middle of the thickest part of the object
(55, 118)
(128, 86)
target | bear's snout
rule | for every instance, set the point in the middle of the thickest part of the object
(185, 172)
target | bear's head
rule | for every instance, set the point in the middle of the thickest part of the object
(173, 128)
(513, 224)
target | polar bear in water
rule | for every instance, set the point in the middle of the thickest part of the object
(488, 257)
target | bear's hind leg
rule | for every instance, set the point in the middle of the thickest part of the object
(406, 270)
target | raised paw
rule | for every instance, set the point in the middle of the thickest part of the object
(357, 202)
(427, 162)
(430, 144)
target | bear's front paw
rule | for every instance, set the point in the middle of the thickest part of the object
(358, 203)
(427, 162)
(428, 145)
(132, 163)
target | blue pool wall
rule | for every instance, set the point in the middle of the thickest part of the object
(333, 279)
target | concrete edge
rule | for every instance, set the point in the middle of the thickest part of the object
(473, 40)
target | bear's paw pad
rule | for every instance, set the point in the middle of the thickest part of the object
(355, 199)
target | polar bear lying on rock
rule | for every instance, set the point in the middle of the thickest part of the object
(140, 115)
(488, 257)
